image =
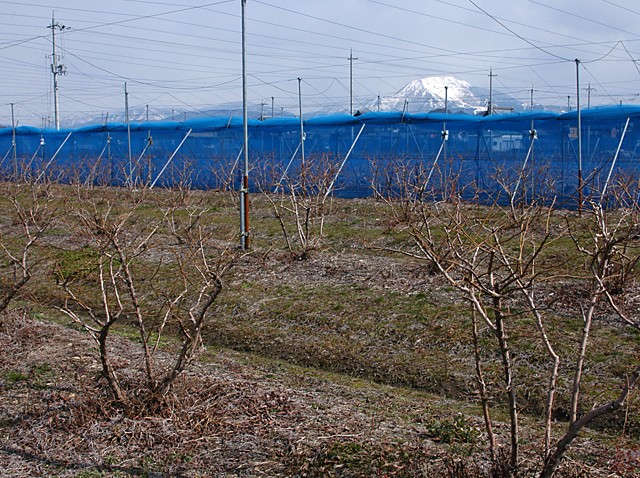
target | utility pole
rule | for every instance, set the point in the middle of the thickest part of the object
(491, 76)
(106, 123)
(272, 103)
(378, 102)
(446, 99)
(580, 181)
(445, 138)
(126, 114)
(56, 69)
(351, 58)
(568, 102)
(533, 135)
(262, 111)
(532, 90)
(301, 121)
(245, 239)
(589, 89)
(405, 110)
(13, 143)
(149, 129)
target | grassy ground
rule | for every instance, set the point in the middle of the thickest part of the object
(353, 362)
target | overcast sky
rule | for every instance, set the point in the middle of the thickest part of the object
(185, 55)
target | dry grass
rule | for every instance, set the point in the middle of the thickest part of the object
(355, 362)
(232, 415)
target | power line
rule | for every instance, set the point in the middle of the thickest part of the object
(620, 6)
(279, 56)
(603, 56)
(575, 15)
(516, 34)
(354, 28)
(633, 60)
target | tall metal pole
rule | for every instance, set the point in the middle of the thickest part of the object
(531, 104)
(126, 114)
(532, 135)
(491, 75)
(445, 138)
(351, 58)
(106, 124)
(580, 183)
(589, 90)
(245, 240)
(272, 103)
(148, 132)
(13, 143)
(301, 121)
(446, 99)
(55, 69)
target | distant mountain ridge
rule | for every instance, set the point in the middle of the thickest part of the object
(431, 93)
(418, 96)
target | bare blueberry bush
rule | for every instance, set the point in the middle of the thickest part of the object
(151, 266)
(300, 199)
(32, 210)
(502, 261)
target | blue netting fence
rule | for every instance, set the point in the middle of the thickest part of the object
(521, 157)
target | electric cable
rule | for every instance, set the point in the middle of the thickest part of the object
(575, 15)
(516, 34)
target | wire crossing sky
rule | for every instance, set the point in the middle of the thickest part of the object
(182, 57)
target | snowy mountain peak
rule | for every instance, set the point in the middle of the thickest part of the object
(428, 94)
(439, 87)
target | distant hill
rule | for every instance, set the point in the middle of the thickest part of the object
(137, 115)
(421, 95)
(428, 94)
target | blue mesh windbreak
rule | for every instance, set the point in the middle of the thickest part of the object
(511, 157)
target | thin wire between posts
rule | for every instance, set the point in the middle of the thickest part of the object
(170, 159)
(144, 151)
(445, 138)
(95, 164)
(35, 154)
(286, 170)
(53, 157)
(524, 166)
(235, 164)
(5, 156)
(330, 188)
(613, 163)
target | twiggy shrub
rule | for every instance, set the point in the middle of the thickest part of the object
(155, 268)
(299, 201)
(496, 258)
(33, 211)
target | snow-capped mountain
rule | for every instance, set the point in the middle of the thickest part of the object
(421, 95)
(428, 94)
